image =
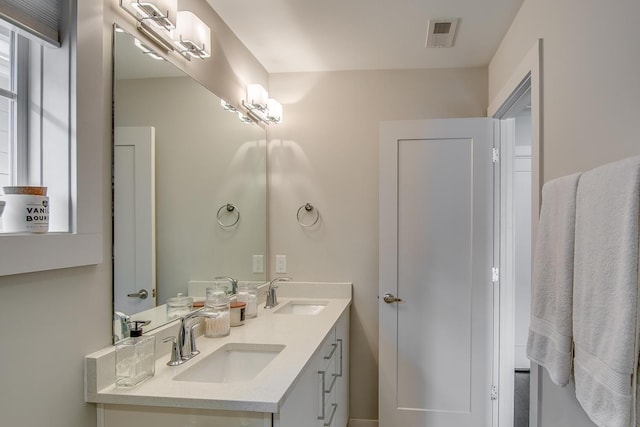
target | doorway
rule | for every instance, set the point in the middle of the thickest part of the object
(515, 254)
(520, 100)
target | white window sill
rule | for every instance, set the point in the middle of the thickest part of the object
(23, 253)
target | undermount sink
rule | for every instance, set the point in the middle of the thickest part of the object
(232, 363)
(302, 307)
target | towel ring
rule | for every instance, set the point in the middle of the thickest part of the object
(229, 208)
(307, 207)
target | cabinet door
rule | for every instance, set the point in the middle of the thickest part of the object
(329, 379)
(321, 395)
(307, 403)
(302, 405)
(342, 369)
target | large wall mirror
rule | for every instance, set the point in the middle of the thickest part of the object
(189, 185)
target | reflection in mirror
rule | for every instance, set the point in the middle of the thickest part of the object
(184, 171)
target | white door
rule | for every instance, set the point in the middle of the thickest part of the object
(436, 255)
(134, 237)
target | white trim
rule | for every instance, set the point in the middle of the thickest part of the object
(507, 279)
(100, 415)
(531, 64)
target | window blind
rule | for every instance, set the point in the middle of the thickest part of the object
(41, 18)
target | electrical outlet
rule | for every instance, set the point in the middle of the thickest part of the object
(281, 263)
(258, 263)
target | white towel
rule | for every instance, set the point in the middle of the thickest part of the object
(605, 296)
(550, 330)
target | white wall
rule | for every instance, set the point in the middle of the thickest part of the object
(49, 321)
(326, 153)
(590, 106)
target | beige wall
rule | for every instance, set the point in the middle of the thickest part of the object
(326, 153)
(51, 320)
(591, 65)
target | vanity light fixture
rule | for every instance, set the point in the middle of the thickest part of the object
(274, 111)
(192, 37)
(257, 97)
(146, 50)
(225, 105)
(244, 118)
(260, 107)
(158, 40)
(161, 13)
(156, 19)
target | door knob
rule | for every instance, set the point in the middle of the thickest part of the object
(390, 298)
(142, 294)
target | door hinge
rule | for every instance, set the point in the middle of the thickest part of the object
(495, 274)
(494, 392)
(495, 155)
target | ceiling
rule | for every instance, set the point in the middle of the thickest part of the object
(330, 35)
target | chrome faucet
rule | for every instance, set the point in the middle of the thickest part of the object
(272, 299)
(184, 345)
(234, 283)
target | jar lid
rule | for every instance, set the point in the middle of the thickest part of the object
(238, 304)
(180, 300)
(30, 190)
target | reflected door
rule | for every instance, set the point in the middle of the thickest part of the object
(134, 241)
(436, 258)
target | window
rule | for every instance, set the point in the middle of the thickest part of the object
(51, 128)
(7, 98)
(34, 108)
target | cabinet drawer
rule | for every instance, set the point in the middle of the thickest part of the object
(329, 350)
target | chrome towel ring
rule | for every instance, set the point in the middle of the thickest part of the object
(303, 210)
(229, 209)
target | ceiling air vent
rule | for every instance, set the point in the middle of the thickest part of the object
(441, 32)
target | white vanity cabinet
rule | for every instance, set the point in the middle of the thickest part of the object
(305, 385)
(320, 397)
(148, 416)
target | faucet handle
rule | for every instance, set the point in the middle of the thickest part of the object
(176, 358)
(192, 341)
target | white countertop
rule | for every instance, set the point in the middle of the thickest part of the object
(300, 334)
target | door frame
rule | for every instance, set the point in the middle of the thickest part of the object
(529, 68)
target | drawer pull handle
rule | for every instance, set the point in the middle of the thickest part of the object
(341, 344)
(333, 382)
(333, 413)
(333, 350)
(322, 384)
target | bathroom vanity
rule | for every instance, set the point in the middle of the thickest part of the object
(288, 367)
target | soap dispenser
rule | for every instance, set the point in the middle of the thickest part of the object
(135, 357)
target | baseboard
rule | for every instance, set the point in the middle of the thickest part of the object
(363, 423)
